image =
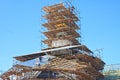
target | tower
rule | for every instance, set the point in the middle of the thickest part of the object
(61, 26)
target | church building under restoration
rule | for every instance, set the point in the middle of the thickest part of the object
(68, 58)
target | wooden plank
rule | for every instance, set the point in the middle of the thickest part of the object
(50, 26)
(63, 13)
(69, 31)
(53, 8)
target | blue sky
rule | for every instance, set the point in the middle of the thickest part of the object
(20, 27)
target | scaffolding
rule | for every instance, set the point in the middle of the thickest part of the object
(68, 58)
(112, 72)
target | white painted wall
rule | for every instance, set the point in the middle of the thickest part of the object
(59, 43)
